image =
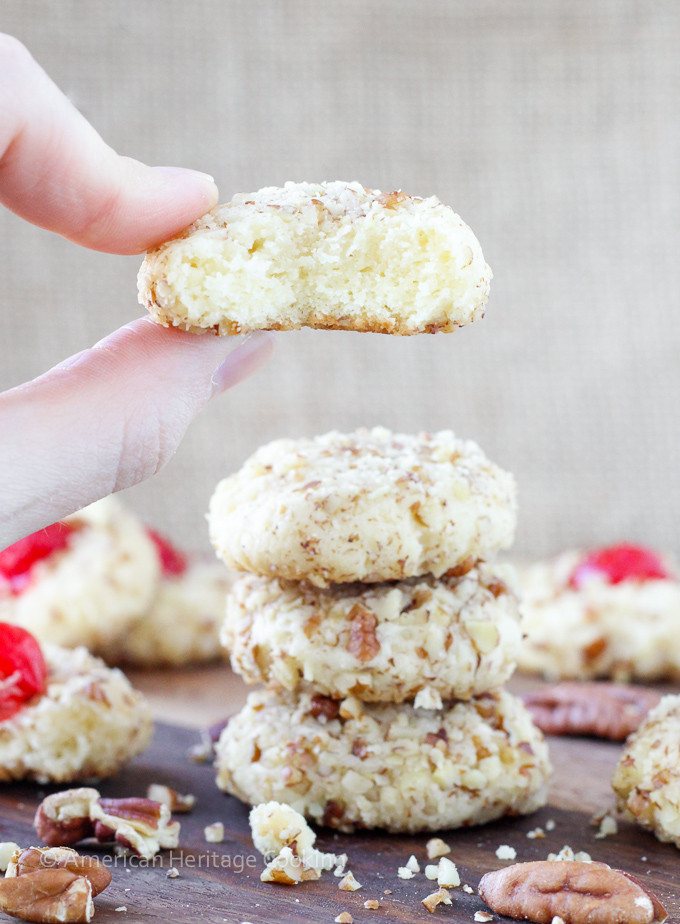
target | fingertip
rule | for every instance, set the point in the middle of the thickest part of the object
(197, 184)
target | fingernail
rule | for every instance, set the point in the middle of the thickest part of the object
(196, 176)
(249, 355)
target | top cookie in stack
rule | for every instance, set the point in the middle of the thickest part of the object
(369, 506)
(381, 633)
(326, 255)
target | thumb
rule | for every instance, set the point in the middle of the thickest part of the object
(108, 417)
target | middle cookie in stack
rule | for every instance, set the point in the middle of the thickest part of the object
(380, 631)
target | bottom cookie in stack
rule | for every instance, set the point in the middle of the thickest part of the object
(349, 765)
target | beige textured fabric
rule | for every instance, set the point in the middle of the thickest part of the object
(551, 128)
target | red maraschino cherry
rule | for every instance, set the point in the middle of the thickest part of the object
(17, 561)
(617, 563)
(173, 562)
(23, 672)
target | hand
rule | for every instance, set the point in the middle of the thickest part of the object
(112, 415)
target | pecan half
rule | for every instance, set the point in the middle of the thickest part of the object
(27, 861)
(579, 893)
(47, 896)
(602, 710)
(142, 825)
(363, 642)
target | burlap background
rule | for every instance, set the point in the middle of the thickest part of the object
(553, 128)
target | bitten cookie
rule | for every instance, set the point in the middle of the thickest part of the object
(83, 581)
(351, 765)
(367, 506)
(88, 722)
(611, 613)
(325, 255)
(182, 624)
(647, 778)
(456, 636)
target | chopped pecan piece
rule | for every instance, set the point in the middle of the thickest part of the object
(325, 706)
(363, 641)
(579, 893)
(602, 710)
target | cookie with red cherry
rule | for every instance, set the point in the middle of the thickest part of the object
(605, 613)
(82, 581)
(183, 621)
(64, 715)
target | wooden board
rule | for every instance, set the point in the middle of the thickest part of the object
(220, 883)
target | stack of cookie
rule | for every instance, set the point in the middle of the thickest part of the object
(381, 632)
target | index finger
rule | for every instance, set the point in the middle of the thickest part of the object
(58, 173)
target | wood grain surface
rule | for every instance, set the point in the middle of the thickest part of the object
(220, 883)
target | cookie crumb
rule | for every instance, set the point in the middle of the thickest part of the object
(535, 833)
(172, 873)
(372, 904)
(413, 864)
(436, 847)
(467, 888)
(214, 833)
(608, 826)
(550, 824)
(506, 852)
(483, 917)
(344, 918)
(405, 873)
(348, 883)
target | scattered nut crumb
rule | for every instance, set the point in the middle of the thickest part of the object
(550, 824)
(413, 864)
(534, 833)
(214, 833)
(344, 918)
(447, 874)
(372, 904)
(172, 873)
(506, 852)
(436, 847)
(566, 853)
(482, 917)
(468, 889)
(405, 873)
(440, 897)
(7, 849)
(432, 871)
(288, 869)
(387, 892)
(608, 826)
(175, 801)
(348, 883)
(121, 908)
